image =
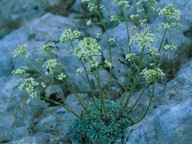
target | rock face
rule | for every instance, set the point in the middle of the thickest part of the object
(14, 14)
(168, 124)
(169, 121)
(28, 22)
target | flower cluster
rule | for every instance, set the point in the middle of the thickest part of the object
(79, 71)
(89, 22)
(69, 35)
(165, 25)
(20, 71)
(152, 74)
(169, 47)
(107, 64)
(115, 19)
(50, 65)
(153, 51)
(29, 86)
(171, 12)
(131, 56)
(133, 16)
(122, 3)
(87, 48)
(93, 62)
(46, 48)
(142, 1)
(61, 76)
(21, 50)
(91, 5)
(143, 39)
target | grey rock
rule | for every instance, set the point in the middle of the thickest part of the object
(169, 115)
(48, 28)
(14, 14)
(168, 124)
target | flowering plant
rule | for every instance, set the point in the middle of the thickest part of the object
(104, 119)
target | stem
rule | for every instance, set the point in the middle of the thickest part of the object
(57, 117)
(96, 75)
(127, 28)
(88, 80)
(68, 109)
(150, 101)
(110, 53)
(135, 82)
(141, 94)
(160, 46)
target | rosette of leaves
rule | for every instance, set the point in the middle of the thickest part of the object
(98, 130)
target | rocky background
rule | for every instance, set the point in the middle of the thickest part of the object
(38, 22)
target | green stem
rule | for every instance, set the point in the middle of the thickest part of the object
(110, 54)
(150, 101)
(88, 79)
(68, 109)
(102, 108)
(161, 43)
(141, 94)
(135, 82)
(127, 28)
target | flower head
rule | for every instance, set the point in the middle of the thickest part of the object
(107, 64)
(29, 85)
(122, 3)
(143, 39)
(154, 51)
(20, 71)
(115, 19)
(169, 47)
(131, 56)
(171, 12)
(21, 50)
(61, 76)
(69, 35)
(88, 47)
(152, 74)
(50, 65)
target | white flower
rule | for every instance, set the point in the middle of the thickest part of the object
(50, 66)
(169, 47)
(61, 76)
(107, 64)
(79, 71)
(171, 12)
(143, 39)
(115, 19)
(29, 85)
(89, 22)
(154, 51)
(112, 40)
(46, 48)
(20, 71)
(21, 50)
(69, 35)
(131, 56)
(122, 3)
(165, 25)
(152, 74)
(88, 47)
(133, 16)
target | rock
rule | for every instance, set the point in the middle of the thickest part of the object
(170, 113)
(14, 14)
(34, 35)
(168, 124)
